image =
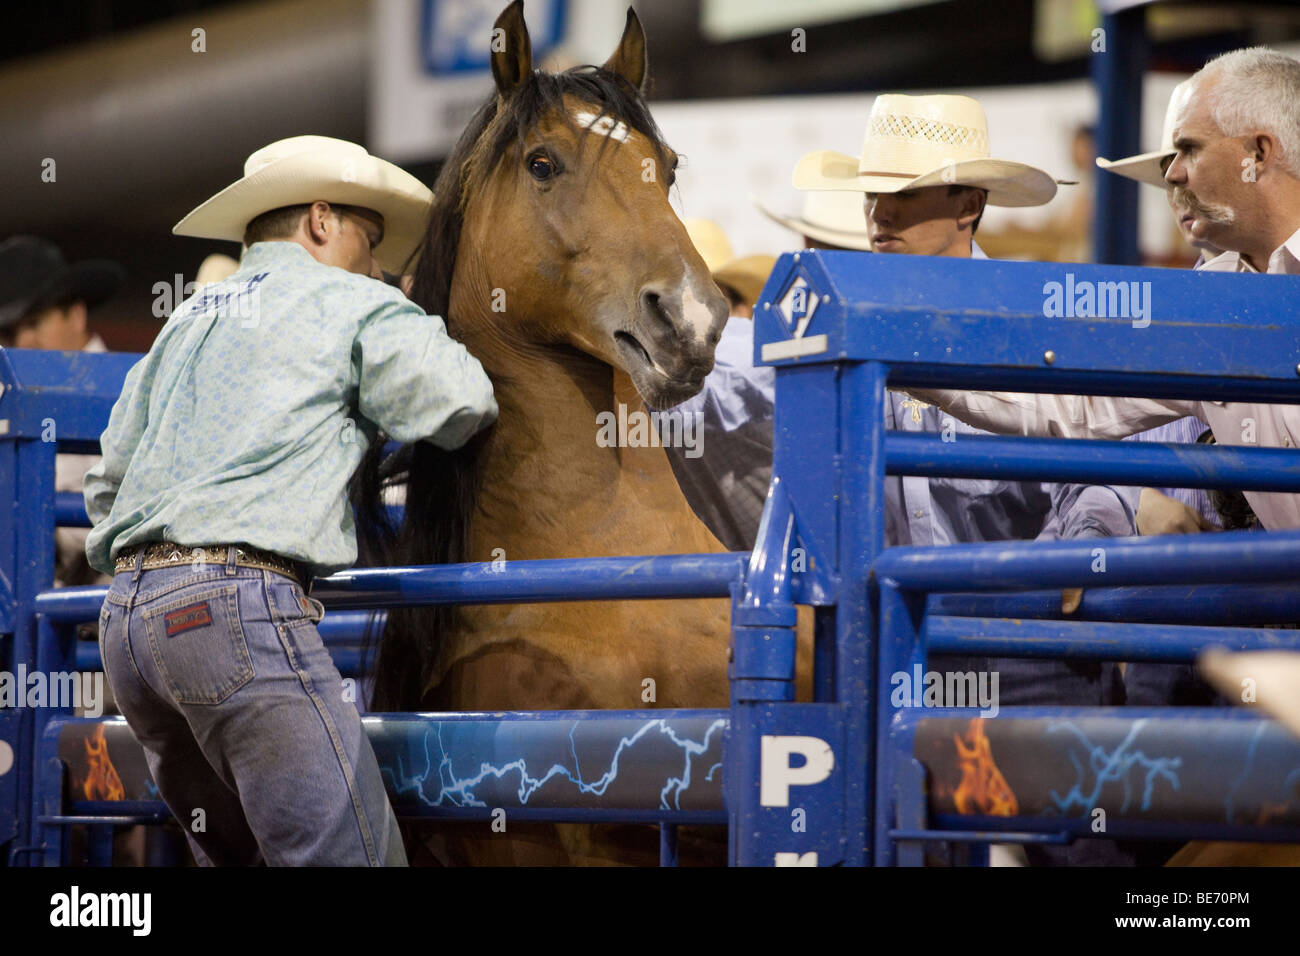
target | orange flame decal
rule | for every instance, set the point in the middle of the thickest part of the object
(983, 790)
(102, 781)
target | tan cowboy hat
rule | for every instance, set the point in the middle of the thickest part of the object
(834, 217)
(303, 169)
(747, 275)
(917, 141)
(1273, 676)
(1149, 167)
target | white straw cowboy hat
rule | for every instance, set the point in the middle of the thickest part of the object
(834, 217)
(917, 141)
(1149, 168)
(747, 275)
(303, 169)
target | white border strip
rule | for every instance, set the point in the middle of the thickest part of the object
(793, 348)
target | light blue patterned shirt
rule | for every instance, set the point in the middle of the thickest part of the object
(249, 414)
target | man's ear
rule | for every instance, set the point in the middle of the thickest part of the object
(320, 219)
(512, 51)
(1263, 149)
(973, 201)
(630, 60)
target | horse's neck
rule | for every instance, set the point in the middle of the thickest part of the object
(549, 489)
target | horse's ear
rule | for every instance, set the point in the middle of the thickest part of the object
(512, 51)
(629, 60)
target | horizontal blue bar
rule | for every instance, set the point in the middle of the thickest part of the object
(1224, 557)
(1235, 604)
(70, 510)
(523, 582)
(71, 605)
(510, 582)
(1140, 464)
(977, 836)
(1094, 640)
(1019, 326)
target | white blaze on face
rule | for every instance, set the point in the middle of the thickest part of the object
(695, 313)
(603, 125)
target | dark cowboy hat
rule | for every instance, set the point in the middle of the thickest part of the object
(34, 275)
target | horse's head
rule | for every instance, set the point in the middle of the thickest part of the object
(567, 237)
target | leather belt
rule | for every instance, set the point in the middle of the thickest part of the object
(166, 554)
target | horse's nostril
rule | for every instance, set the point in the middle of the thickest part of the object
(654, 306)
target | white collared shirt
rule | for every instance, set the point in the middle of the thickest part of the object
(1074, 416)
(1285, 260)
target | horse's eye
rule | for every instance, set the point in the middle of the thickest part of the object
(541, 168)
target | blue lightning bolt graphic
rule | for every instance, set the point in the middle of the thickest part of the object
(1112, 766)
(459, 791)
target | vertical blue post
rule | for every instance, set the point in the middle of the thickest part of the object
(1117, 70)
(862, 535)
(29, 563)
(900, 651)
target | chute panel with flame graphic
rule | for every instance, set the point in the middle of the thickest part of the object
(102, 781)
(982, 790)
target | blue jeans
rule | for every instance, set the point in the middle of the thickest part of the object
(223, 678)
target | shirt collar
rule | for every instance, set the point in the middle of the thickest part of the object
(271, 250)
(1285, 260)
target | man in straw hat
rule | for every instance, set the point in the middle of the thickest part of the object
(223, 488)
(920, 188)
(1235, 169)
(925, 174)
(928, 219)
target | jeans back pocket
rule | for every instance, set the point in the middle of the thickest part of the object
(197, 641)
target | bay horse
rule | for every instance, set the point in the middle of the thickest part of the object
(554, 255)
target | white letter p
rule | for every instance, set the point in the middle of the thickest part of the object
(776, 776)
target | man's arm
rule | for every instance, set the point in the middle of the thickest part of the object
(1061, 416)
(126, 424)
(1091, 511)
(417, 382)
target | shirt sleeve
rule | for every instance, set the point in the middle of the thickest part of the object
(417, 382)
(733, 398)
(126, 425)
(1091, 511)
(1060, 416)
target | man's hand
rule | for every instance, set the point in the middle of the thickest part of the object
(1160, 514)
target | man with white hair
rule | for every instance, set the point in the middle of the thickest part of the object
(1237, 152)
(1237, 167)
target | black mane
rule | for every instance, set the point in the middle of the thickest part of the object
(442, 487)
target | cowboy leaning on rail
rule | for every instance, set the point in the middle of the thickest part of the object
(222, 488)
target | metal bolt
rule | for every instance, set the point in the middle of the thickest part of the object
(1049, 356)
